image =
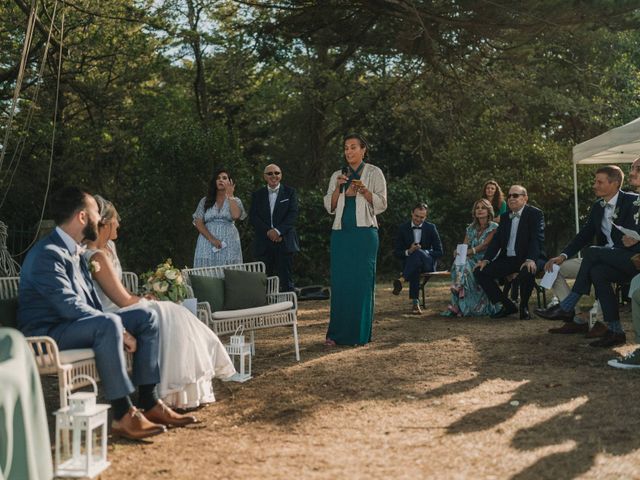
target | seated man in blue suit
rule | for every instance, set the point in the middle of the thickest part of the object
(418, 245)
(57, 298)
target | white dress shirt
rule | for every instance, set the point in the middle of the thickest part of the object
(273, 195)
(511, 245)
(607, 218)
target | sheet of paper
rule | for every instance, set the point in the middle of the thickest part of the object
(223, 244)
(550, 277)
(461, 254)
(627, 231)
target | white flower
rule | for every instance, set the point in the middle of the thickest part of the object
(171, 274)
(94, 266)
(160, 287)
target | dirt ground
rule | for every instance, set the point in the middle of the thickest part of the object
(430, 397)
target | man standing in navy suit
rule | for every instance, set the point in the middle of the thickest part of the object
(273, 214)
(418, 245)
(517, 246)
(56, 298)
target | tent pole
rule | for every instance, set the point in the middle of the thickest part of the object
(575, 193)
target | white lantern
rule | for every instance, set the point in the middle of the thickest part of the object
(86, 423)
(240, 353)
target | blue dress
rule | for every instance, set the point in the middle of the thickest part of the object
(221, 226)
(467, 297)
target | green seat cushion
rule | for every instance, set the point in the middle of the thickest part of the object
(244, 289)
(9, 312)
(208, 289)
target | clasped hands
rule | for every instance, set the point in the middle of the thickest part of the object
(273, 235)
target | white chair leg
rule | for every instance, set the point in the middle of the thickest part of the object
(295, 341)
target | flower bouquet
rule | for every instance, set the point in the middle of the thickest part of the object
(165, 282)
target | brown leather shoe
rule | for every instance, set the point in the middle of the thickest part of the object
(610, 340)
(571, 327)
(598, 330)
(165, 416)
(135, 426)
(416, 309)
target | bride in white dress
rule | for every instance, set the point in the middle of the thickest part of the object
(190, 354)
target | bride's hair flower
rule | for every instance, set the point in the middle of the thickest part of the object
(165, 282)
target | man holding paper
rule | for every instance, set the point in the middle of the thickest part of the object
(608, 262)
(417, 244)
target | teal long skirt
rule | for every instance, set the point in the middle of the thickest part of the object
(353, 279)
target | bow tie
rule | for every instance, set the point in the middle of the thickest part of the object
(605, 204)
(273, 190)
(514, 215)
(416, 228)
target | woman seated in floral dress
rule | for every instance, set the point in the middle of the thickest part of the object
(467, 297)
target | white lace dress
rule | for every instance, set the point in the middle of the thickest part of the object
(190, 354)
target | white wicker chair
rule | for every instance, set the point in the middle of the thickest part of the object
(227, 322)
(66, 364)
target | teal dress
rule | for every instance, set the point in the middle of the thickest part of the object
(353, 278)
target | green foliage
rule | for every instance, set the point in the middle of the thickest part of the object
(155, 95)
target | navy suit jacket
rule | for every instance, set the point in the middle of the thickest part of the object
(592, 228)
(49, 293)
(285, 214)
(430, 241)
(529, 236)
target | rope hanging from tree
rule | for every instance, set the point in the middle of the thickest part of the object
(8, 266)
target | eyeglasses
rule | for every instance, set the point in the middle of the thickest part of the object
(516, 195)
(271, 174)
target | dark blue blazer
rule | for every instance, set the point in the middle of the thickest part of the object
(285, 214)
(529, 236)
(48, 293)
(430, 240)
(592, 228)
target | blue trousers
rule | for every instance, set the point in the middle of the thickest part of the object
(415, 264)
(600, 267)
(103, 334)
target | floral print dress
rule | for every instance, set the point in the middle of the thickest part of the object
(221, 226)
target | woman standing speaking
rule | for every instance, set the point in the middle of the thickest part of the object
(356, 194)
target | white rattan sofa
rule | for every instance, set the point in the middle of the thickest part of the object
(281, 309)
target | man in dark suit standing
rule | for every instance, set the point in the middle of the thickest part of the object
(418, 245)
(604, 265)
(612, 201)
(273, 214)
(516, 247)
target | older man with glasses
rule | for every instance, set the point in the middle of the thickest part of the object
(604, 265)
(273, 214)
(516, 247)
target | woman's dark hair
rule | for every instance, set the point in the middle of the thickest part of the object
(361, 139)
(66, 202)
(211, 194)
(498, 197)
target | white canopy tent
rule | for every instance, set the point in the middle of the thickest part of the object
(619, 145)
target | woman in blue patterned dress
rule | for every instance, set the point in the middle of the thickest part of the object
(219, 240)
(467, 297)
